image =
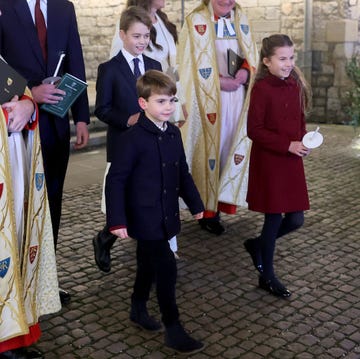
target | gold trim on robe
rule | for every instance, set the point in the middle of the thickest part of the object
(28, 276)
(199, 77)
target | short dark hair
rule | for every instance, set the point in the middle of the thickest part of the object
(155, 82)
(134, 14)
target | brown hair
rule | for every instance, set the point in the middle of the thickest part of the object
(268, 48)
(134, 14)
(146, 4)
(155, 82)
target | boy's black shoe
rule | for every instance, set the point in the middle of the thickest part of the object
(255, 253)
(212, 226)
(176, 338)
(102, 243)
(274, 287)
(140, 316)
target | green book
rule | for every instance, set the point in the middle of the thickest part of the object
(73, 87)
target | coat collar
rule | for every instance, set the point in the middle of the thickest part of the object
(276, 81)
(148, 125)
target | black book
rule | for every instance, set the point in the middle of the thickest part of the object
(11, 82)
(234, 62)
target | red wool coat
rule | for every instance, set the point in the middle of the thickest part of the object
(276, 177)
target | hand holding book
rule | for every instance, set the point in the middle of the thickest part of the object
(73, 88)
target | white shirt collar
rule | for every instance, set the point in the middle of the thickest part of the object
(129, 57)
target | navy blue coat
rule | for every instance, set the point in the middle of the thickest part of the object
(116, 97)
(145, 182)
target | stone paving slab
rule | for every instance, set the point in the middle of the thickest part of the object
(217, 291)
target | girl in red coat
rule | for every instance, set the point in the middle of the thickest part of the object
(276, 124)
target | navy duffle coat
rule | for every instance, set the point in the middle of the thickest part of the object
(145, 181)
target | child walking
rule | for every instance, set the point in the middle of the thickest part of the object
(142, 192)
(117, 102)
(276, 124)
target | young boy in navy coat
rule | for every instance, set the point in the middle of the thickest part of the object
(117, 101)
(142, 190)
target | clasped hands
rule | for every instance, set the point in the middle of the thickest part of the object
(19, 113)
(230, 84)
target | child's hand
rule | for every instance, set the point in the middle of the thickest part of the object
(121, 233)
(297, 148)
(198, 215)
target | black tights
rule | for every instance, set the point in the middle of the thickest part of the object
(275, 226)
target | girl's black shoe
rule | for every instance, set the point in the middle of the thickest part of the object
(253, 249)
(274, 287)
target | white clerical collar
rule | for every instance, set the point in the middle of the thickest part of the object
(222, 23)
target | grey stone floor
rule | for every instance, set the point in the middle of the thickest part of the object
(217, 291)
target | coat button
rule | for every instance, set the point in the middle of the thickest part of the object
(164, 191)
(164, 164)
(160, 138)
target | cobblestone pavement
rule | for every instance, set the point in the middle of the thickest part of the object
(217, 291)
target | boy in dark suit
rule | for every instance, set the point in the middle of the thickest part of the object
(117, 101)
(143, 187)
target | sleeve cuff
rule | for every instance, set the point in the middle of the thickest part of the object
(114, 228)
(31, 125)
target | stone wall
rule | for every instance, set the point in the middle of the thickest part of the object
(326, 34)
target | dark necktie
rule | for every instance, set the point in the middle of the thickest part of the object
(137, 72)
(41, 28)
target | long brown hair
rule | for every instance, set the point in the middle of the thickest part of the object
(268, 48)
(146, 4)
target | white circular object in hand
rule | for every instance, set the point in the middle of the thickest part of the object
(313, 139)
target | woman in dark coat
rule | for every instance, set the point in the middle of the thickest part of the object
(276, 125)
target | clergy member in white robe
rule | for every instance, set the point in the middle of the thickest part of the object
(215, 138)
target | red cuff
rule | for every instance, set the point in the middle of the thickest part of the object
(245, 65)
(114, 228)
(32, 125)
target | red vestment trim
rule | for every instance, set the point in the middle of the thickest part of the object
(22, 340)
(222, 207)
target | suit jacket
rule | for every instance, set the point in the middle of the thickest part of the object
(20, 47)
(116, 97)
(144, 184)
